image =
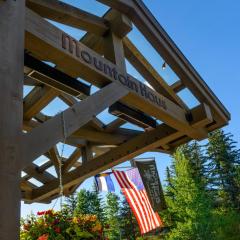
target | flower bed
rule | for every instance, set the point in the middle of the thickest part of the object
(50, 225)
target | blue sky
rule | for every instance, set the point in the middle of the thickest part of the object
(208, 34)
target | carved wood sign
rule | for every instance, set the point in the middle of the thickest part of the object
(101, 64)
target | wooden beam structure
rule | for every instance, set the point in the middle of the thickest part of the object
(12, 15)
(66, 14)
(87, 79)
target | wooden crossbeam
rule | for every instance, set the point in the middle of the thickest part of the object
(177, 86)
(103, 137)
(87, 153)
(55, 158)
(135, 57)
(71, 160)
(48, 134)
(143, 142)
(119, 23)
(155, 34)
(43, 35)
(30, 81)
(95, 122)
(27, 186)
(43, 177)
(37, 99)
(115, 124)
(64, 13)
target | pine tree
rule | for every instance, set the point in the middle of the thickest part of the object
(224, 161)
(112, 217)
(70, 204)
(89, 203)
(97, 202)
(193, 151)
(191, 207)
(128, 223)
(169, 184)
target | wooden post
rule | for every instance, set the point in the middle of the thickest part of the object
(12, 16)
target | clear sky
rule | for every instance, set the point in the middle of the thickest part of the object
(208, 34)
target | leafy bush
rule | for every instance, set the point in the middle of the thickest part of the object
(50, 225)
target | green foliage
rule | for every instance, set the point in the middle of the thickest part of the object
(128, 223)
(112, 217)
(224, 161)
(197, 161)
(70, 204)
(226, 224)
(89, 202)
(202, 191)
(190, 206)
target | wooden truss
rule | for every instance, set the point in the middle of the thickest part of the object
(99, 59)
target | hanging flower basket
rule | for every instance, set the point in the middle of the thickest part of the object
(50, 225)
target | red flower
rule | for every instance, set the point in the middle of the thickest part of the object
(57, 229)
(48, 212)
(40, 213)
(43, 237)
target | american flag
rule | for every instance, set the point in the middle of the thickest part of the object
(132, 187)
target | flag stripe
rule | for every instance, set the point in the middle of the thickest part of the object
(150, 214)
(104, 182)
(143, 204)
(149, 211)
(153, 214)
(130, 198)
(134, 202)
(139, 203)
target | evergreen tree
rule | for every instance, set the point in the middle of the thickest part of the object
(191, 207)
(193, 151)
(89, 203)
(70, 204)
(169, 184)
(97, 202)
(224, 161)
(128, 223)
(112, 217)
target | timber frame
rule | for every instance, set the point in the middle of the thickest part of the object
(99, 59)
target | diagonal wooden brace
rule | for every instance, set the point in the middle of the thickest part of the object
(44, 137)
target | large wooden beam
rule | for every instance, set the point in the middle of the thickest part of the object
(12, 14)
(64, 13)
(48, 134)
(103, 137)
(156, 35)
(135, 57)
(42, 35)
(118, 23)
(146, 141)
(105, 161)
